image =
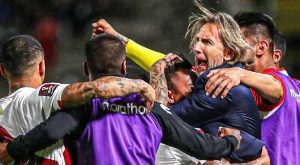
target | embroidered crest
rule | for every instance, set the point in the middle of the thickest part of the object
(47, 89)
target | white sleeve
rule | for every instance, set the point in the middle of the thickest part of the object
(27, 107)
(167, 155)
(49, 96)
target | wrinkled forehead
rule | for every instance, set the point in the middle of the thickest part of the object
(210, 30)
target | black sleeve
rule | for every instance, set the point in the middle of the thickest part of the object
(59, 125)
(179, 134)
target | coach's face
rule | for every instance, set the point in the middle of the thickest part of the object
(209, 49)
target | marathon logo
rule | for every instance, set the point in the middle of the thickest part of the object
(296, 95)
(130, 105)
(47, 89)
(129, 109)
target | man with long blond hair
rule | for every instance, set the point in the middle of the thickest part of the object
(216, 42)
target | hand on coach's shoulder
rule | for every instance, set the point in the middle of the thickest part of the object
(223, 80)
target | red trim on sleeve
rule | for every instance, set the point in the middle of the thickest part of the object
(296, 81)
(257, 98)
(4, 136)
(272, 70)
(201, 131)
(67, 157)
(46, 161)
(265, 105)
(60, 104)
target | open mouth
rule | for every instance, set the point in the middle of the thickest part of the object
(201, 65)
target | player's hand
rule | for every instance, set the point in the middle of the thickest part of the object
(102, 26)
(230, 131)
(5, 158)
(223, 80)
(171, 59)
(148, 93)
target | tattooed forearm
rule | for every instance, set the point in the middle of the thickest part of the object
(158, 81)
(105, 87)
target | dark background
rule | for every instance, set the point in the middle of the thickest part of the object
(63, 27)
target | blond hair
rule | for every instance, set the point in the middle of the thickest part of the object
(228, 29)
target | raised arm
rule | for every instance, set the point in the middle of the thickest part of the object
(224, 79)
(106, 87)
(141, 55)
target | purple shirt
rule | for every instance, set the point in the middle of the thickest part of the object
(281, 129)
(116, 138)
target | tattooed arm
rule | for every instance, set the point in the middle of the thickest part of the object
(157, 77)
(106, 87)
(158, 81)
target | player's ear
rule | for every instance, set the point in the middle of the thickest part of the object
(2, 71)
(42, 68)
(277, 55)
(228, 54)
(123, 67)
(262, 47)
(85, 69)
(171, 99)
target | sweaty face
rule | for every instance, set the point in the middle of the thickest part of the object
(208, 49)
(182, 85)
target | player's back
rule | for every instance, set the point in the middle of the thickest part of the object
(17, 115)
(119, 138)
(24, 109)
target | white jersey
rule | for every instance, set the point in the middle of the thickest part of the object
(27, 107)
(167, 155)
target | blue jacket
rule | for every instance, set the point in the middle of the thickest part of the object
(237, 110)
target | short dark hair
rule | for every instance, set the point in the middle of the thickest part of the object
(184, 66)
(280, 42)
(104, 55)
(19, 54)
(257, 23)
